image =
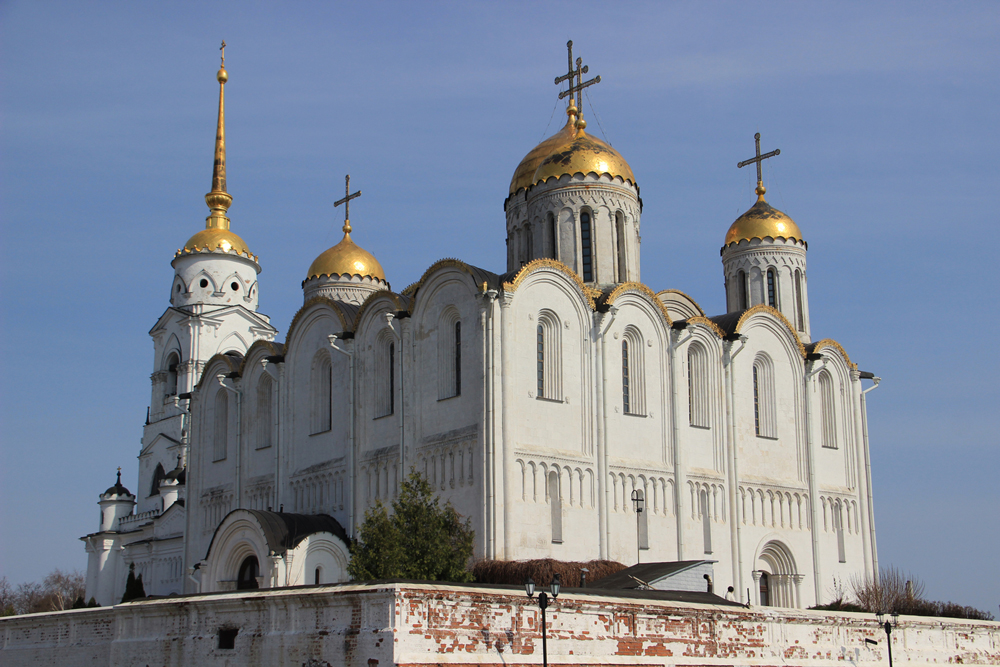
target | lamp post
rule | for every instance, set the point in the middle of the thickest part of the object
(638, 501)
(888, 626)
(543, 603)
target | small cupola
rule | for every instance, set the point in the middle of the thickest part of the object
(764, 259)
(117, 502)
(346, 272)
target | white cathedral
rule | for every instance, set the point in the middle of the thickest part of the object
(548, 403)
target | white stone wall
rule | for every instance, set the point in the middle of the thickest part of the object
(403, 624)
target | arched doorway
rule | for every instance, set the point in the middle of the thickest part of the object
(249, 571)
(777, 577)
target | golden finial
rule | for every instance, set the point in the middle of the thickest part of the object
(218, 199)
(347, 204)
(760, 189)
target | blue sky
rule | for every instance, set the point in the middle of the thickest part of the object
(885, 114)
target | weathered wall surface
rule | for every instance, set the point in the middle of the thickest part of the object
(406, 624)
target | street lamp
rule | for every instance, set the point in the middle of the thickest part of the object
(637, 500)
(888, 626)
(543, 603)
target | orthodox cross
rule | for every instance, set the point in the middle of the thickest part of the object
(760, 158)
(347, 203)
(223, 49)
(577, 72)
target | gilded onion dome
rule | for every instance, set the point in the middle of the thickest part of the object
(569, 151)
(346, 258)
(762, 221)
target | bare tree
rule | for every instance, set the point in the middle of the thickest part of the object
(58, 591)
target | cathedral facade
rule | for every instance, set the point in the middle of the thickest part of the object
(566, 408)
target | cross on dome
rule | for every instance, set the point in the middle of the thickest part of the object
(758, 159)
(578, 87)
(346, 201)
(223, 49)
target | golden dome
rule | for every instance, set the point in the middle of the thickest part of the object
(346, 258)
(214, 239)
(762, 221)
(580, 152)
(524, 175)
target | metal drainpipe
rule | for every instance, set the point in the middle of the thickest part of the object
(811, 457)
(507, 402)
(276, 425)
(860, 467)
(239, 435)
(350, 432)
(735, 533)
(602, 435)
(680, 481)
(868, 475)
(489, 483)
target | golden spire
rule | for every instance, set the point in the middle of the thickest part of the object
(760, 190)
(218, 199)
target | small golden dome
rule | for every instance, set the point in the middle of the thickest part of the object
(579, 152)
(216, 239)
(346, 258)
(762, 221)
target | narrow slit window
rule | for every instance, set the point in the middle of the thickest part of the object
(541, 361)
(586, 247)
(756, 401)
(772, 299)
(555, 504)
(626, 404)
(741, 290)
(622, 247)
(458, 358)
(392, 378)
(550, 230)
(800, 320)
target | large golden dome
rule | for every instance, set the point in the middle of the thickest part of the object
(568, 151)
(215, 239)
(346, 258)
(762, 221)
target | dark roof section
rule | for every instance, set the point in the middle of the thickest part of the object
(284, 531)
(117, 489)
(728, 322)
(648, 572)
(179, 473)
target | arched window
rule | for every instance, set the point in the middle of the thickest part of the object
(158, 476)
(622, 247)
(385, 375)
(172, 362)
(705, 509)
(741, 290)
(449, 355)
(698, 395)
(550, 234)
(249, 571)
(548, 357)
(318, 576)
(827, 410)
(220, 433)
(320, 390)
(633, 381)
(764, 416)
(555, 505)
(529, 233)
(800, 321)
(772, 289)
(586, 247)
(265, 411)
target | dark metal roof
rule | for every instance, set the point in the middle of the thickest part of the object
(648, 572)
(728, 321)
(117, 489)
(283, 531)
